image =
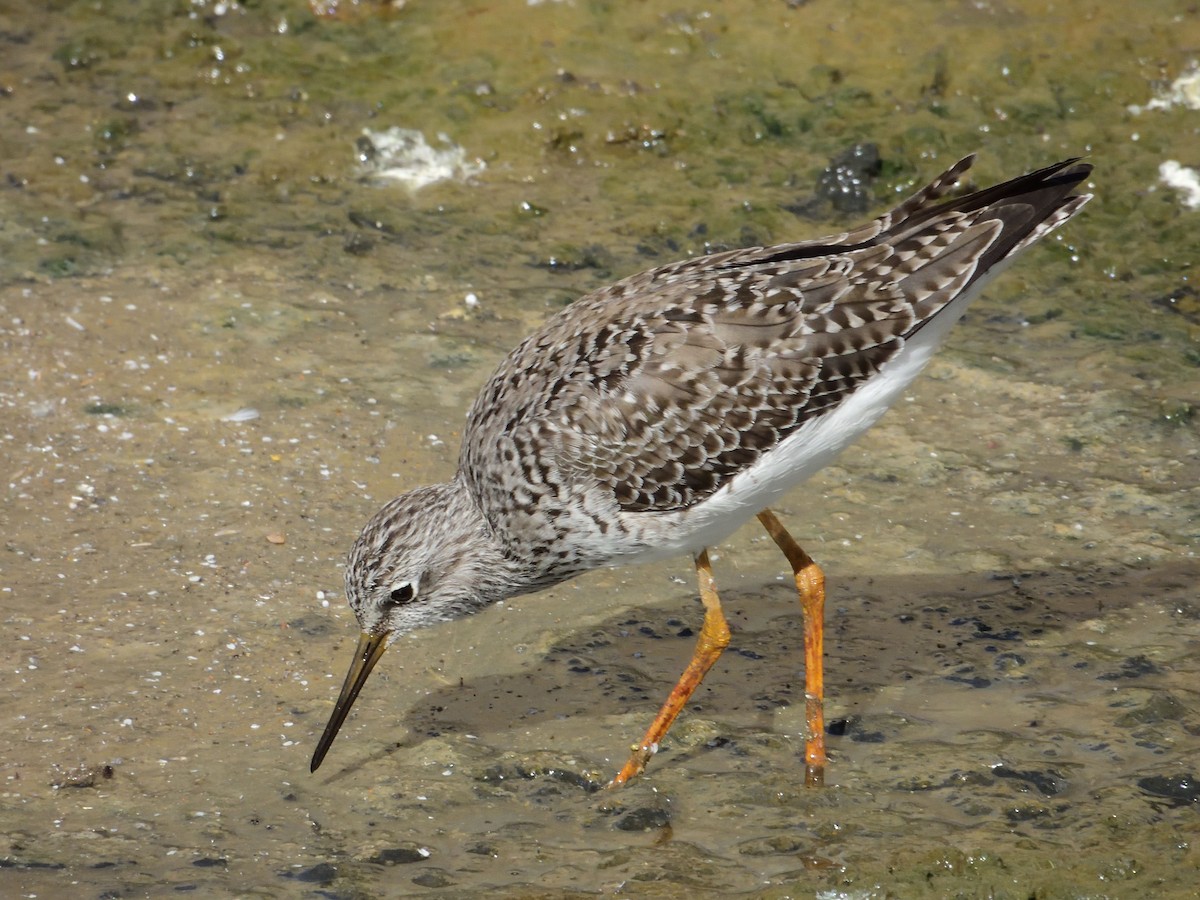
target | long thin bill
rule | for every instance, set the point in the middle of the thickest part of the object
(366, 654)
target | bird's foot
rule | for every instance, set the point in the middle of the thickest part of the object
(636, 764)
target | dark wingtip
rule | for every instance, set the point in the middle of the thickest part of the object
(1068, 172)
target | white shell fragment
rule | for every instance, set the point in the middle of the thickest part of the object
(245, 414)
(403, 154)
(1183, 179)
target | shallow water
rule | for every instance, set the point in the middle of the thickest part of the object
(1011, 554)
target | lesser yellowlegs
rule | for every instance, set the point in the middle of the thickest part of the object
(655, 416)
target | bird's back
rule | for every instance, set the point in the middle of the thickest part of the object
(651, 396)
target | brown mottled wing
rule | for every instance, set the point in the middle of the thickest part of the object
(716, 379)
(666, 385)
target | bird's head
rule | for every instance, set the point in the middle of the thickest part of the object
(425, 557)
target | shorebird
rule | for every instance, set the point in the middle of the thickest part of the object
(655, 416)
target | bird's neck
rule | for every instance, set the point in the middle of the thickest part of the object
(494, 573)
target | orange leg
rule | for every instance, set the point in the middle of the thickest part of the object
(714, 638)
(810, 583)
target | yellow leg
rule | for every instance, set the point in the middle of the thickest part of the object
(714, 638)
(810, 583)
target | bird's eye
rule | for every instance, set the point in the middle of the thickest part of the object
(402, 593)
